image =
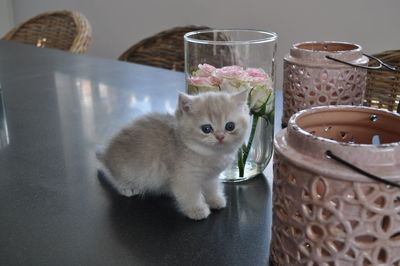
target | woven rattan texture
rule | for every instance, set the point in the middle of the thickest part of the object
(383, 86)
(165, 49)
(65, 30)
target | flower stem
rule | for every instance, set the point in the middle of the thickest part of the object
(242, 158)
(240, 162)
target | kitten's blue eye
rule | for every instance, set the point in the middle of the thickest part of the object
(207, 128)
(230, 126)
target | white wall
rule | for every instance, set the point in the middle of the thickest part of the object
(6, 16)
(117, 24)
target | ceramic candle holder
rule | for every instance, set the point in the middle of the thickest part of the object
(310, 79)
(325, 213)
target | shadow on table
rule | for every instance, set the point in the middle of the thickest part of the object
(157, 234)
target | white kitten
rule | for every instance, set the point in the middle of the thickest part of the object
(181, 155)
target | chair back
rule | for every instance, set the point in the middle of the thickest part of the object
(65, 30)
(164, 49)
(383, 85)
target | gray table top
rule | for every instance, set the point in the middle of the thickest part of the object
(56, 108)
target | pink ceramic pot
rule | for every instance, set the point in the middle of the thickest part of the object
(325, 213)
(310, 79)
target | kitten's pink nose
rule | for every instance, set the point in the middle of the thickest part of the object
(220, 138)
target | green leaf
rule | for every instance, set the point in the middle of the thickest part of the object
(249, 97)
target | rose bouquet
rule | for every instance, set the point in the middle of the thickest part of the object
(235, 78)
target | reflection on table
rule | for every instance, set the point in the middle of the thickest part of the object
(4, 139)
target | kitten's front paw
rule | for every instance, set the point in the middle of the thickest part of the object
(198, 212)
(217, 202)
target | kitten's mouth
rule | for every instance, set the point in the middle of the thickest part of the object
(220, 143)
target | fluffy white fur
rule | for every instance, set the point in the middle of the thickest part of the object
(170, 154)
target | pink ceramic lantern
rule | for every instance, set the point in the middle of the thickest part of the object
(310, 79)
(325, 213)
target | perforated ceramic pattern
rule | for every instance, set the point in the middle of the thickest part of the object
(306, 86)
(323, 221)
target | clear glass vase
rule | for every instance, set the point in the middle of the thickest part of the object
(233, 60)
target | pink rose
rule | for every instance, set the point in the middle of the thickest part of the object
(261, 81)
(231, 68)
(256, 72)
(210, 82)
(231, 72)
(205, 70)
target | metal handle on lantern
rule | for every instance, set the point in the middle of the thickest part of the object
(360, 171)
(381, 63)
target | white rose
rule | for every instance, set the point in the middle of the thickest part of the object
(259, 96)
(234, 85)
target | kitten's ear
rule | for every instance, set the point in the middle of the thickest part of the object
(240, 97)
(185, 103)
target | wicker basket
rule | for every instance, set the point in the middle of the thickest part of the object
(64, 29)
(383, 86)
(165, 49)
